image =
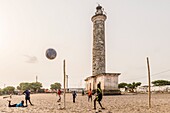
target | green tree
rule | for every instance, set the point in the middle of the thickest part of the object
(55, 86)
(1, 91)
(9, 89)
(24, 86)
(138, 84)
(122, 85)
(18, 87)
(35, 86)
(133, 85)
(160, 82)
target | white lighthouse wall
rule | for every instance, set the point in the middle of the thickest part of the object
(101, 80)
(89, 84)
(110, 82)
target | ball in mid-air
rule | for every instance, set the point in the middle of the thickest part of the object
(51, 53)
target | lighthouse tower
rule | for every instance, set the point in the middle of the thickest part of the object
(98, 64)
(108, 81)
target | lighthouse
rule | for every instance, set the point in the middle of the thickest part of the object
(108, 81)
(98, 63)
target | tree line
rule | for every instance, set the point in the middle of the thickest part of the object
(35, 87)
(134, 85)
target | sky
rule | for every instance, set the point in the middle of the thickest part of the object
(134, 30)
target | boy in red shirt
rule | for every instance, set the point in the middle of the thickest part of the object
(90, 95)
(59, 93)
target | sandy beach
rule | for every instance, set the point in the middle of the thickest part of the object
(47, 103)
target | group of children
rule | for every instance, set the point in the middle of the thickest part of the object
(21, 104)
(98, 96)
(59, 94)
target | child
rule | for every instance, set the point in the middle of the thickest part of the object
(74, 96)
(59, 93)
(98, 96)
(90, 95)
(21, 104)
(27, 96)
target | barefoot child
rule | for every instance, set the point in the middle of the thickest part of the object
(74, 96)
(21, 104)
(59, 94)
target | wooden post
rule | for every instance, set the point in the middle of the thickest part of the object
(36, 79)
(149, 83)
(64, 83)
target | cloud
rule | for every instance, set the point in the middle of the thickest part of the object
(31, 59)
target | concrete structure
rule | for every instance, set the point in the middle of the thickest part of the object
(109, 81)
(144, 89)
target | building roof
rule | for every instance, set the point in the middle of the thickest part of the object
(103, 74)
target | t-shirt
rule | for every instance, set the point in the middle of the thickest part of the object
(74, 94)
(89, 93)
(27, 94)
(59, 92)
(19, 105)
(99, 94)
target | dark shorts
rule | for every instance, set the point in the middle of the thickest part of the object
(99, 97)
(90, 96)
(27, 98)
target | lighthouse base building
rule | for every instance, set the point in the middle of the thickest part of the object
(109, 83)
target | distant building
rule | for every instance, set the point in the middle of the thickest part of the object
(78, 90)
(109, 81)
(144, 89)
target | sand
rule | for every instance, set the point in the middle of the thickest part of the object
(47, 103)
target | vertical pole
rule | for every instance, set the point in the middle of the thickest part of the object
(64, 84)
(36, 82)
(36, 79)
(149, 83)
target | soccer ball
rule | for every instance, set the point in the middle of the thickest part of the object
(51, 53)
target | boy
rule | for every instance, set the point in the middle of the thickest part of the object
(21, 104)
